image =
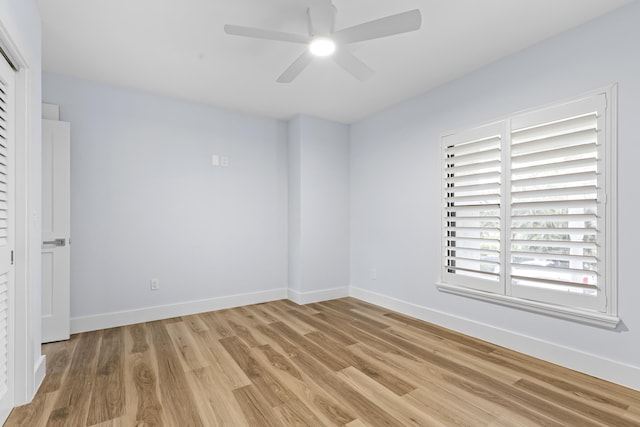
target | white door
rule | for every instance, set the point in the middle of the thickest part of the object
(55, 230)
(7, 227)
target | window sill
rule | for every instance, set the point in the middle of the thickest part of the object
(587, 317)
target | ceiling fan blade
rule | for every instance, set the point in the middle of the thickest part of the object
(321, 17)
(296, 68)
(383, 27)
(352, 65)
(258, 33)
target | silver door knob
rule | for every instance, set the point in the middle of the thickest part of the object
(55, 242)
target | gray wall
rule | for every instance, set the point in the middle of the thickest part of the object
(147, 203)
(318, 209)
(395, 182)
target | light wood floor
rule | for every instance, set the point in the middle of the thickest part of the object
(342, 362)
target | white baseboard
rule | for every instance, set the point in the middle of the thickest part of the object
(149, 314)
(610, 370)
(317, 296)
(39, 372)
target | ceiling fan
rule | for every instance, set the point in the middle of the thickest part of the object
(323, 40)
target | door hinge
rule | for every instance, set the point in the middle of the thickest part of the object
(11, 257)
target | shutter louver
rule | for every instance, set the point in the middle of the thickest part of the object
(472, 212)
(555, 206)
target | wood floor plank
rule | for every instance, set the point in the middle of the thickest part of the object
(218, 327)
(255, 408)
(376, 373)
(633, 413)
(561, 377)
(551, 375)
(141, 380)
(72, 405)
(443, 383)
(107, 397)
(541, 410)
(362, 333)
(437, 331)
(407, 414)
(318, 401)
(469, 357)
(217, 405)
(333, 332)
(431, 380)
(437, 402)
(259, 311)
(318, 352)
(227, 370)
(270, 387)
(177, 400)
(345, 310)
(185, 343)
(281, 312)
(321, 403)
(296, 413)
(326, 378)
(241, 326)
(195, 323)
(148, 408)
(356, 423)
(588, 411)
(336, 363)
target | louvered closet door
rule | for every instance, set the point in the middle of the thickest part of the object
(7, 77)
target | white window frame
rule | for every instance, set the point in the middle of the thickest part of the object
(602, 310)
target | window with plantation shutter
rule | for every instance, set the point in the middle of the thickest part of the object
(528, 216)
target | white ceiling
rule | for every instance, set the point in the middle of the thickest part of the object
(178, 48)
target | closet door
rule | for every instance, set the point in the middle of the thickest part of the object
(7, 226)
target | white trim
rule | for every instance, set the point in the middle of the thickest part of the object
(50, 111)
(611, 200)
(590, 364)
(149, 314)
(39, 371)
(317, 296)
(582, 316)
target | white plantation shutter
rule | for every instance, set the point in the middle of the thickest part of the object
(557, 204)
(6, 237)
(472, 210)
(529, 210)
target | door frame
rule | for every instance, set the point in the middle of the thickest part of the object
(28, 363)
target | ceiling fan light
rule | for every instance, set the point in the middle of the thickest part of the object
(322, 46)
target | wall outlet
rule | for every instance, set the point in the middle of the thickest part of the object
(155, 284)
(224, 161)
(374, 273)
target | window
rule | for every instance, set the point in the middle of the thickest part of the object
(529, 210)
